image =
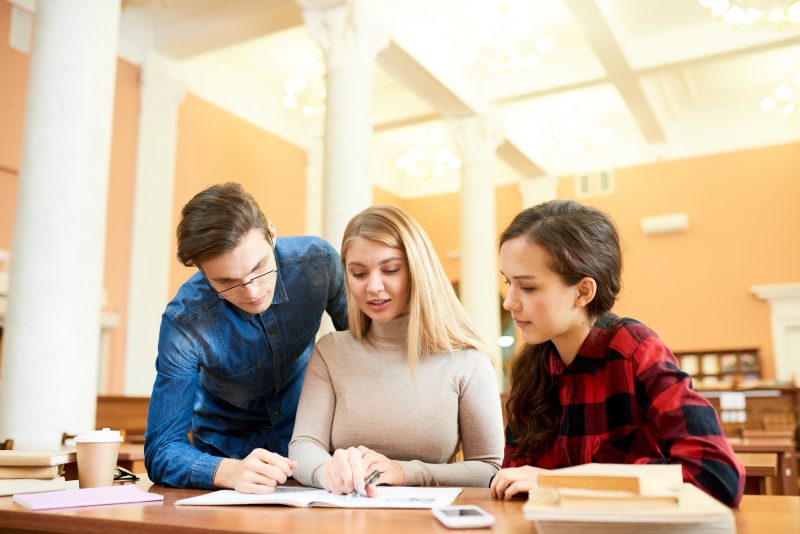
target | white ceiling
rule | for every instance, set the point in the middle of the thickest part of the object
(667, 79)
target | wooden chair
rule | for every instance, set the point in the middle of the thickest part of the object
(7, 445)
(123, 413)
(749, 433)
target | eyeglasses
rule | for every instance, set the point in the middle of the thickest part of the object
(236, 290)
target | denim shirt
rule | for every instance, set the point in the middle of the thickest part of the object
(234, 378)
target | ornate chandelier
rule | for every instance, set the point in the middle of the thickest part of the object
(307, 96)
(428, 163)
(307, 92)
(784, 100)
(507, 45)
(576, 137)
(750, 13)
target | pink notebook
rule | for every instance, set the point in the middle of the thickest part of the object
(73, 498)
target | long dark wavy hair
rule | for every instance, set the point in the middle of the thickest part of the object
(582, 241)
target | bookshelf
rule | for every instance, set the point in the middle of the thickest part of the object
(723, 367)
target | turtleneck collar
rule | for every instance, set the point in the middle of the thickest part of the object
(393, 333)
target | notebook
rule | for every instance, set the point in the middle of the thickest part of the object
(73, 498)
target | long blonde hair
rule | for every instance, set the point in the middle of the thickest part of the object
(437, 322)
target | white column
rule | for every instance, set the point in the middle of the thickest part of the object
(315, 187)
(351, 38)
(537, 189)
(151, 240)
(784, 304)
(477, 139)
(51, 343)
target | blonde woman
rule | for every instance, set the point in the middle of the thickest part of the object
(407, 383)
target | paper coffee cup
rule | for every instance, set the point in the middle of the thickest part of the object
(97, 457)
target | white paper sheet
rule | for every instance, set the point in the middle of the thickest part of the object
(388, 497)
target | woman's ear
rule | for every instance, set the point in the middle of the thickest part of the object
(587, 289)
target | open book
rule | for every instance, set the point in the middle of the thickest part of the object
(388, 497)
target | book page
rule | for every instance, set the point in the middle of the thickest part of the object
(388, 497)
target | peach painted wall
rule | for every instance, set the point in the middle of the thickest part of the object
(14, 68)
(440, 216)
(693, 288)
(213, 147)
(119, 215)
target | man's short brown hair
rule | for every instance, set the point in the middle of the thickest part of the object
(215, 221)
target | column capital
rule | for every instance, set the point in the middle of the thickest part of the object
(162, 92)
(477, 138)
(537, 189)
(350, 33)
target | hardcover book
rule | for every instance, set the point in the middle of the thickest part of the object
(31, 471)
(36, 458)
(635, 478)
(15, 486)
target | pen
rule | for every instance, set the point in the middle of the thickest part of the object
(361, 489)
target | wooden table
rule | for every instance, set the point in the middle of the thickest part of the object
(758, 514)
(784, 448)
(759, 468)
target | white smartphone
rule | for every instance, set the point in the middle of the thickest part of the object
(466, 516)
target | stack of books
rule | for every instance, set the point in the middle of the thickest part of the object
(623, 498)
(33, 471)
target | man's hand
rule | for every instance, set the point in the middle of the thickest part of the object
(259, 472)
(508, 482)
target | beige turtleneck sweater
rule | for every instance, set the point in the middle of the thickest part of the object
(362, 394)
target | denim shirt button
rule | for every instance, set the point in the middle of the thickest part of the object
(272, 330)
(276, 413)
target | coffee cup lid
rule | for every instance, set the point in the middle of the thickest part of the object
(98, 436)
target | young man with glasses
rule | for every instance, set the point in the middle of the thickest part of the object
(234, 344)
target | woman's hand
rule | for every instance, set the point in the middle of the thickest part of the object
(347, 469)
(391, 472)
(344, 471)
(513, 480)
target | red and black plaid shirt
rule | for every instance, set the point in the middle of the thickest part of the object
(624, 400)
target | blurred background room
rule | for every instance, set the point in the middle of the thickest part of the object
(676, 117)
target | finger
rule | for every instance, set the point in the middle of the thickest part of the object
(515, 488)
(493, 486)
(278, 461)
(271, 473)
(372, 491)
(251, 487)
(356, 467)
(344, 472)
(501, 486)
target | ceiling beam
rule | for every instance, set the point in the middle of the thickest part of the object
(509, 152)
(404, 68)
(226, 24)
(721, 56)
(600, 38)
(409, 72)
